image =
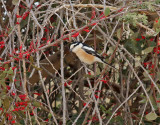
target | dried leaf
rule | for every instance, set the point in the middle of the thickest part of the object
(151, 116)
(36, 67)
(15, 2)
(148, 50)
(119, 32)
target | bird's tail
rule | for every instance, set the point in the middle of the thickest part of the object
(100, 59)
(109, 65)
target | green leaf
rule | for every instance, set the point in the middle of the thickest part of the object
(146, 79)
(120, 120)
(3, 95)
(36, 104)
(146, 76)
(143, 58)
(6, 103)
(0, 102)
(102, 108)
(36, 67)
(158, 99)
(20, 115)
(158, 95)
(157, 1)
(152, 44)
(143, 101)
(135, 35)
(49, 115)
(31, 59)
(151, 116)
(10, 71)
(88, 76)
(107, 12)
(153, 102)
(158, 75)
(79, 121)
(17, 83)
(2, 122)
(15, 2)
(2, 82)
(119, 32)
(22, 122)
(134, 18)
(158, 105)
(25, 22)
(132, 47)
(159, 22)
(9, 31)
(148, 50)
(2, 75)
(157, 30)
(10, 78)
(111, 50)
(6, 66)
(42, 123)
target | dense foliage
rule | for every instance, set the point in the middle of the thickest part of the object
(42, 82)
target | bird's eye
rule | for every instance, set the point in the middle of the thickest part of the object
(75, 45)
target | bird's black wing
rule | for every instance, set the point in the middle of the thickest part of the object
(91, 51)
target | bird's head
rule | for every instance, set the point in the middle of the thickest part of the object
(75, 46)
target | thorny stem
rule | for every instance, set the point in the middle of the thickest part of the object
(63, 87)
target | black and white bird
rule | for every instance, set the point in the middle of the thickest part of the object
(86, 54)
